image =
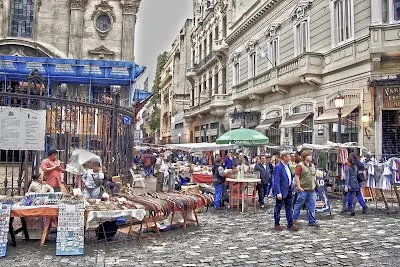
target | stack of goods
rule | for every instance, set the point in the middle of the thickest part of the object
(10, 199)
(184, 200)
(40, 199)
(103, 206)
(155, 206)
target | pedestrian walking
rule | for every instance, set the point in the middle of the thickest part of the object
(353, 187)
(283, 192)
(306, 183)
(265, 170)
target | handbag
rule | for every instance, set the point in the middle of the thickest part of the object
(361, 177)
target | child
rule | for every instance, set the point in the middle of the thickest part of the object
(39, 186)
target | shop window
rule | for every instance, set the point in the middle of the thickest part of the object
(350, 131)
(390, 133)
(214, 125)
(303, 134)
(274, 134)
(21, 18)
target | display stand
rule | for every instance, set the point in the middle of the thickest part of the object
(4, 225)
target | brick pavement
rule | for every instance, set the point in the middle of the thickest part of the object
(229, 238)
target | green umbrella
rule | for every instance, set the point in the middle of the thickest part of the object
(243, 137)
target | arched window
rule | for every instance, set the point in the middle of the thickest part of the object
(21, 18)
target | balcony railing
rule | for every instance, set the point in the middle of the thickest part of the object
(216, 101)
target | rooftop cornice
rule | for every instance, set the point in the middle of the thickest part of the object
(251, 21)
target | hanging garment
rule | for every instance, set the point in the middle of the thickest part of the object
(343, 155)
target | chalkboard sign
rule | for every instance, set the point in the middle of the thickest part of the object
(71, 228)
(4, 225)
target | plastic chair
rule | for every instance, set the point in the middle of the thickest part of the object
(137, 178)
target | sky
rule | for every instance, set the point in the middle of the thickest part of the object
(158, 23)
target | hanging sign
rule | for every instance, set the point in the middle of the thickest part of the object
(4, 225)
(22, 129)
(71, 228)
(390, 98)
(322, 201)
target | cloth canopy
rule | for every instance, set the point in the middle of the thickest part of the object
(331, 115)
(294, 120)
(243, 137)
(267, 123)
(198, 147)
(78, 158)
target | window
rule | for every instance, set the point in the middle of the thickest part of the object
(205, 48)
(343, 19)
(200, 53)
(274, 133)
(224, 27)
(21, 18)
(274, 51)
(252, 65)
(350, 130)
(210, 93)
(179, 125)
(216, 32)
(303, 133)
(193, 58)
(216, 85)
(396, 9)
(210, 42)
(204, 86)
(214, 125)
(302, 37)
(303, 108)
(236, 74)
(224, 80)
(103, 22)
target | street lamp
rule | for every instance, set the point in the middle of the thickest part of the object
(339, 104)
(179, 136)
(205, 133)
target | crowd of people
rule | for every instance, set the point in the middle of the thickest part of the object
(287, 177)
(290, 179)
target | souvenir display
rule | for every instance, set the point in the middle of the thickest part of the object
(4, 225)
(40, 199)
(71, 227)
(322, 201)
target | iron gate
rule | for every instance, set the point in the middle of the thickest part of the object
(104, 129)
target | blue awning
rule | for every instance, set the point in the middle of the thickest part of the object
(60, 70)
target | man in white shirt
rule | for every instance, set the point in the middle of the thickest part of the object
(283, 192)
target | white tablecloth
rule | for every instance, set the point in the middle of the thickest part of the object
(95, 217)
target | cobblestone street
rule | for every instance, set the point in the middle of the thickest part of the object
(227, 238)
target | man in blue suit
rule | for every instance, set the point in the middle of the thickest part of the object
(283, 192)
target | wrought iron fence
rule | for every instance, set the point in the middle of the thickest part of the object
(104, 129)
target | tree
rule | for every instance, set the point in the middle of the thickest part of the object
(156, 99)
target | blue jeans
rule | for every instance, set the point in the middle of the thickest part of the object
(309, 198)
(147, 171)
(218, 195)
(288, 209)
(351, 200)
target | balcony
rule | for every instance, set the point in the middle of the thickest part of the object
(221, 48)
(206, 62)
(306, 68)
(216, 106)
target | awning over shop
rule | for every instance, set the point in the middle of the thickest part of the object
(331, 115)
(267, 123)
(294, 120)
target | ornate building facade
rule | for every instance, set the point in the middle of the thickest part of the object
(208, 71)
(81, 29)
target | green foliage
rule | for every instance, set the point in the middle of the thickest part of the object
(156, 99)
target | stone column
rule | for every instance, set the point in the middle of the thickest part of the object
(76, 28)
(129, 11)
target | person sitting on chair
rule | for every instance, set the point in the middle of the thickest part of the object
(39, 186)
(92, 181)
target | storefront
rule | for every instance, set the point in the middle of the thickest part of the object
(270, 125)
(390, 121)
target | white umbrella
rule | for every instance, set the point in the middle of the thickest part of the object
(78, 158)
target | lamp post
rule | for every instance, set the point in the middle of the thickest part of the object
(179, 136)
(205, 133)
(339, 104)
